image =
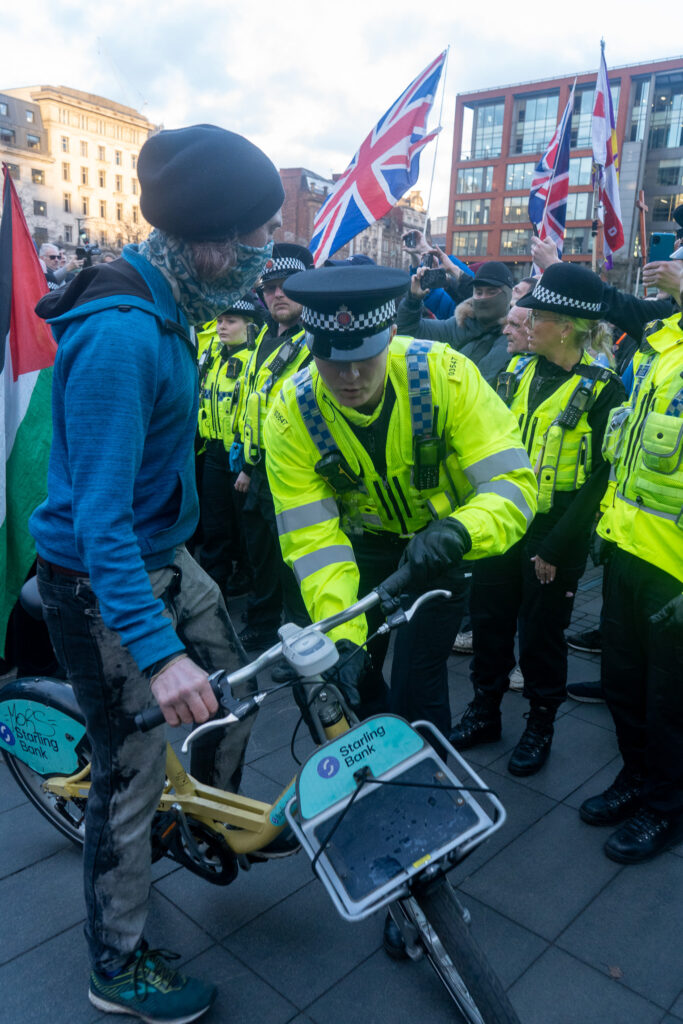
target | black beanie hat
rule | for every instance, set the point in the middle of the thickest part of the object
(202, 183)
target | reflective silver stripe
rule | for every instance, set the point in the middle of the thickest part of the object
(370, 519)
(332, 555)
(506, 489)
(673, 516)
(306, 515)
(496, 464)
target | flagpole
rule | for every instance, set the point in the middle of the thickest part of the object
(598, 170)
(436, 147)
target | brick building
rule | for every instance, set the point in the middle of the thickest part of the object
(500, 134)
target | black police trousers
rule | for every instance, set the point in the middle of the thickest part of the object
(642, 677)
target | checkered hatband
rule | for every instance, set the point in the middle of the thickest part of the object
(344, 321)
(542, 294)
(243, 306)
(282, 266)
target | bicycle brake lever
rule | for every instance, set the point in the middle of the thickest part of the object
(238, 714)
(400, 617)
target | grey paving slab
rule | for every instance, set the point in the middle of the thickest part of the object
(677, 1008)
(380, 991)
(558, 989)
(578, 750)
(303, 947)
(547, 876)
(223, 910)
(40, 902)
(33, 838)
(641, 901)
(596, 714)
(34, 987)
(10, 794)
(597, 783)
(243, 997)
(510, 948)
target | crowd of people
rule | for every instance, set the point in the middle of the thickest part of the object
(347, 420)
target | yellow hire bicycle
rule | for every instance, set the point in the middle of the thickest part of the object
(380, 809)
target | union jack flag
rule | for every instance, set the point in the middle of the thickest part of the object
(385, 166)
(550, 183)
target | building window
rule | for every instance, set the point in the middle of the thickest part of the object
(133, 161)
(641, 95)
(39, 208)
(32, 141)
(670, 172)
(119, 211)
(666, 120)
(65, 144)
(578, 205)
(102, 178)
(7, 137)
(67, 202)
(14, 171)
(66, 172)
(68, 234)
(516, 209)
(576, 242)
(103, 209)
(472, 211)
(580, 170)
(486, 132)
(118, 158)
(515, 243)
(518, 176)
(3, 110)
(84, 175)
(533, 122)
(470, 243)
(118, 186)
(474, 179)
(84, 206)
(101, 153)
(135, 215)
(134, 186)
(30, 116)
(103, 238)
(663, 206)
(40, 236)
(84, 148)
(100, 131)
(37, 176)
(582, 117)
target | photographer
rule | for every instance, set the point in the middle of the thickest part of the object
(479, 336)
(455, 286)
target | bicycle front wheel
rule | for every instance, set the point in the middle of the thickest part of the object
(467, 975)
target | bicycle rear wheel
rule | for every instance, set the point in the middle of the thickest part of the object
(36, 715)
(467, 975)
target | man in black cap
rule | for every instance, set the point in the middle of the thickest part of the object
(132, 617)
(280, 351)
(479, 337)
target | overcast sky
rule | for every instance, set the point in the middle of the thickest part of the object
(307, 80)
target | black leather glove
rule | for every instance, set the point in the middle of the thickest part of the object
(346, 673)
(435, 549)
(670, 617)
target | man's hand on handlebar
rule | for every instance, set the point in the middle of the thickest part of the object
(435, 549)
(184, 694)
(348, 670)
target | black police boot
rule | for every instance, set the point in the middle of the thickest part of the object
(479, 724)
(532, 751)
(618, 802)
(643, 836)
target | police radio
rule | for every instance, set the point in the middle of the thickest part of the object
(578, 404)
(335, 470)
(506, 385)
(427, 453)
(252, 335)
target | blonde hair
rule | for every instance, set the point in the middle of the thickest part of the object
(595, 336)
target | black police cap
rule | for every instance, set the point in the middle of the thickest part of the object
(203, 183)
(287, 259)
(348, 311)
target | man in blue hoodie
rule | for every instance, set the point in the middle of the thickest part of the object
(132, 617)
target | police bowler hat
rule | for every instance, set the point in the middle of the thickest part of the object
(348, 311)
(570, 290)
(287, 259)
(204, 183)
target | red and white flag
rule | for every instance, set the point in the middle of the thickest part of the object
(605, 160)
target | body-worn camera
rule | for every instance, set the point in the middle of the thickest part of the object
(410, 239)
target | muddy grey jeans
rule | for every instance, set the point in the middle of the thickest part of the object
(128, 767)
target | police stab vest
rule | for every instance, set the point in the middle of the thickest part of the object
(261, 387)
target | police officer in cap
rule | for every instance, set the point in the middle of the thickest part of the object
(388, 449)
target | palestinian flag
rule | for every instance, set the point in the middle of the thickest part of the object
(27, 352)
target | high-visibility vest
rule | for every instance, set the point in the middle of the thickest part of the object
(220, 382)
(263, 385)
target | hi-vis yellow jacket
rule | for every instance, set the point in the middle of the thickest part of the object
(219, 391)
(561, 457)
(262, 386)
(644, 443)
(484, 476)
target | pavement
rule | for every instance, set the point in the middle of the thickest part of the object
(574, 937)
